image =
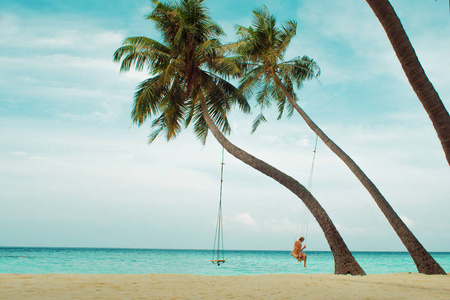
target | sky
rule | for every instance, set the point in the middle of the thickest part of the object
(76, 172)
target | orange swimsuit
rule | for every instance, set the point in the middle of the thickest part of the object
(296, 255)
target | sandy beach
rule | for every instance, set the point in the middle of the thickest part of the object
(169, 286)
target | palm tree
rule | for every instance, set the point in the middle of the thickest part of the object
(417, 78)
(262, 47)
(186, 86)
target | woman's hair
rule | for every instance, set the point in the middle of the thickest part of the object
(301, 239)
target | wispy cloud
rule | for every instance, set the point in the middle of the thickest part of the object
(64, 69)
(246, 220)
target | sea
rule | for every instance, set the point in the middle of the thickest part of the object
(24, 260)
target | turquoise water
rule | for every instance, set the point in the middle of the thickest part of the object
(238, 262)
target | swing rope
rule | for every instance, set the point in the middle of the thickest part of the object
(303, 221)
(218, 255)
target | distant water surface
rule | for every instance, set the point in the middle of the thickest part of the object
(238, 262)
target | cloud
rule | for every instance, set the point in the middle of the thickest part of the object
(74, 35)
(246, 219)
(19, 153)
(67, 70)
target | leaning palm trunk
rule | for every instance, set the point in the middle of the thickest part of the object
(425, 263)
(414, 72)
(345, 263)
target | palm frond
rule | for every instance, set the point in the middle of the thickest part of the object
(140, 51)
(228, 93)
(147, 99)
(258, 120)
(174, 108)
(164, 16)
(305, 69)
(289, 29)
(251, 80)
(158, 125)
(264, 92)
(200, 127)
(227, 67)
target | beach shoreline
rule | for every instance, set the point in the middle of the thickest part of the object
(183, 286)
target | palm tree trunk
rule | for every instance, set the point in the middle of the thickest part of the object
(345, 263)
(425, 263)
(414, 72)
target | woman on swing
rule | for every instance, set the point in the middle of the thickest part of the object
(297, 252)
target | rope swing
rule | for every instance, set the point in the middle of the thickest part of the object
(218, 256)
(303, 221)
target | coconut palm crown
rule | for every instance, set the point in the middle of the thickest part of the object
(262, 46)
(189, 64)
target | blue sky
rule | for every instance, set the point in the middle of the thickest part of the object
(77, 172)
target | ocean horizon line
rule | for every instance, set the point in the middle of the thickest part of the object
(196, 249)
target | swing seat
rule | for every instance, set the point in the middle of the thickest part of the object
(217, 261)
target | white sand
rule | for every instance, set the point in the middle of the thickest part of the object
(167, 286)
